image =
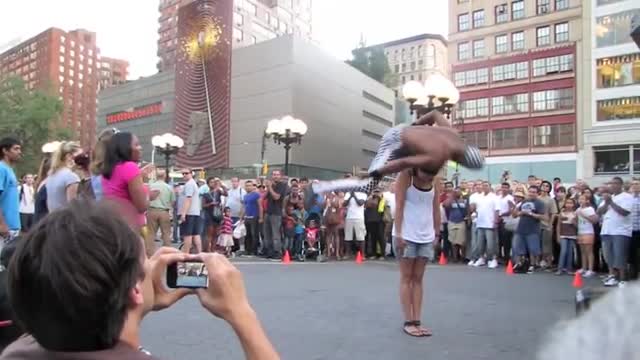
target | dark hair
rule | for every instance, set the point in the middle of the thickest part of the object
(69, 280)
(226, 208)
(548, 183)
(448, 183)
(304, 179)
(617, 179)
(118, 150)
(6, 144)
(561, 189)
(557, 178)
(506, 184)
(531, 177)
(210, 179)
(534, 187)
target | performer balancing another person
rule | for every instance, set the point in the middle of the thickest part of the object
(418, 146)
(413, 239)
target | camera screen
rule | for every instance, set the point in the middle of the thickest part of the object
(192, 275)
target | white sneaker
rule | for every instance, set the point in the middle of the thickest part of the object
(471, 263)
(589, 274)
(480, 262)
(622, 284)
(493, 264)
(581, 271)
(611, 282)
(543, 264)
(607, 278)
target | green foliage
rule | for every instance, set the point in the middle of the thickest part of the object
(371, 62)
(30, 116)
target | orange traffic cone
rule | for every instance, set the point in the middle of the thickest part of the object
(359, 258)
(577, 280)
(443, 259)
(286, 259)
(509, 270)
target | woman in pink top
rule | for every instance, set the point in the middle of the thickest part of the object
(122, 180)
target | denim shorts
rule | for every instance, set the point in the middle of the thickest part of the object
(527, 244)
(616, 249)
(414, 250)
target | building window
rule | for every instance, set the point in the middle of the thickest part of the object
(478, 48)
(554, 135)
(543, 6)
(614, 29)
(477, 138)
(562, 4)
(431, 56)
(510, 138)
(396, 68)
(517, 40)
(463, 22)
(464, 51)
(413, 66)
(550, 100)
(62, 59)
(517, 10)
(237, 34)
(502, 44)
(606, 2)
(511, 104)
(238, 19)
(618, 71)
(562, 32)
(513, 71)
(474, 108)
(543, 36)
(404, 79)
(404, 67)
(478, 18)
(471, 77)
(552, 65)
(609, 160)
(62, 39)
(62, 49)
(502, 13)
(619, 109)
(251, 8)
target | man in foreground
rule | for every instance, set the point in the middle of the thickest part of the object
(91, 301)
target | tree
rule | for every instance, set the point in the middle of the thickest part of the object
(32, 117)
(371, 61)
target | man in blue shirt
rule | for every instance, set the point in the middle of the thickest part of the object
(10, 152)
(252, 214)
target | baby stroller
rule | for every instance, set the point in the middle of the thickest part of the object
(312, 244)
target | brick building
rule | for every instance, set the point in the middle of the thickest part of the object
(65, 64)
(516, 64)
(112, 72)
(253, 21)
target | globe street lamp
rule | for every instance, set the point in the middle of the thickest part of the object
(287, 131)
(167, 144)
(437, 93)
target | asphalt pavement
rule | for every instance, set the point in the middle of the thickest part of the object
(348, 311)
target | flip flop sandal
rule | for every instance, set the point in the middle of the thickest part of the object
(416, 333)
(424, 331)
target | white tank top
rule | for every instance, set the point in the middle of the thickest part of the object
(417, 224)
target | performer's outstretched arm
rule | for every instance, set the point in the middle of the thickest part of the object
(433, 117)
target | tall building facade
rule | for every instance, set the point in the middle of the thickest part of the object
(253, 21)
(112, 72)
(516, 64)
(611, 133)
(64, 64)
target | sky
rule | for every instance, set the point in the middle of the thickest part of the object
(127, 29)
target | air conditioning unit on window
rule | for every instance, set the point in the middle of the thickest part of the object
(502, 11)
(544, 9)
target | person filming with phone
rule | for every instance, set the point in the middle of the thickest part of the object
(89, 303)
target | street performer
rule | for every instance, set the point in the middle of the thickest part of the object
(418, 146)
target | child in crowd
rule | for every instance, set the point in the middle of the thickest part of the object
(311, 234)
(225, 240)
(587, 217)
(289, 226)
(567, 233)
(300, 215)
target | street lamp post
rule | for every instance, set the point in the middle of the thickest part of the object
(168, 145)
(287, 131)
(437, 93)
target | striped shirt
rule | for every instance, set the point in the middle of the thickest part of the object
(227, 225)
(635, 212)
